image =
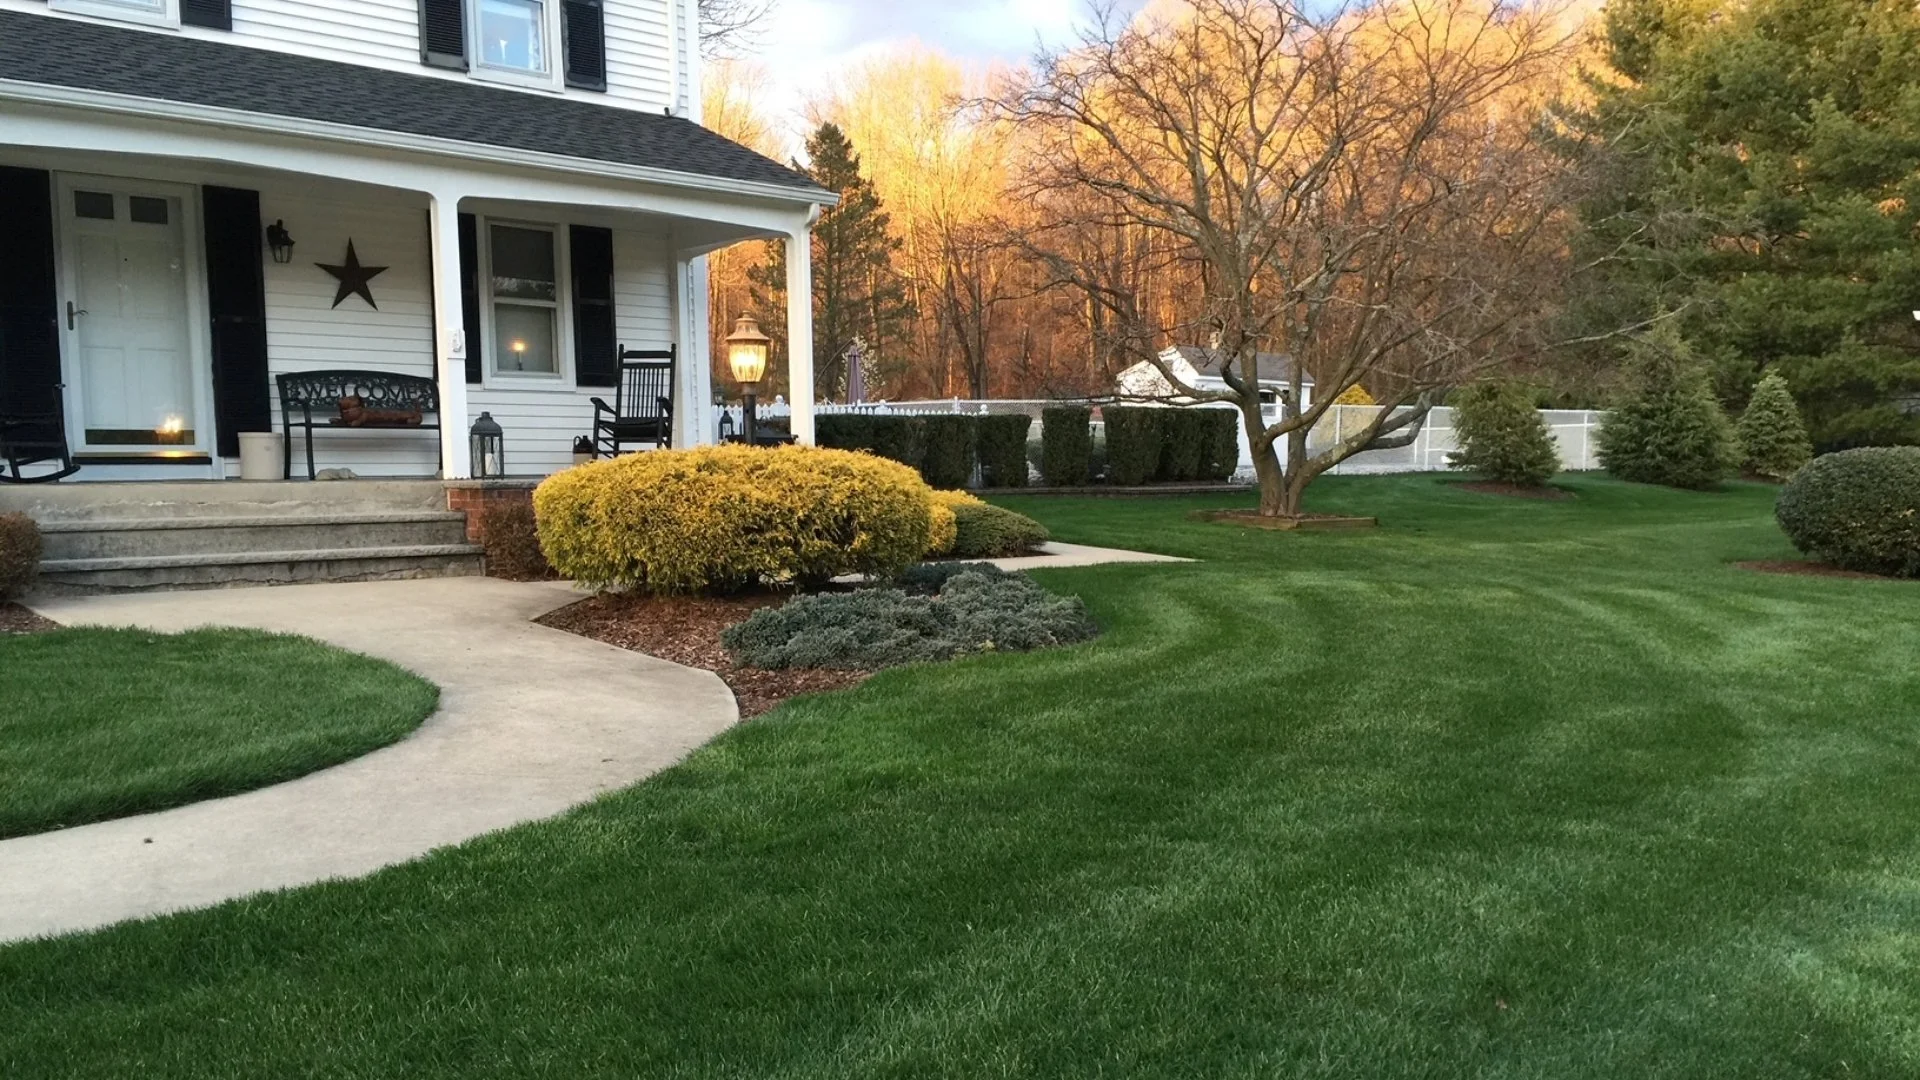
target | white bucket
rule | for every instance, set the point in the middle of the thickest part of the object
(260, 456)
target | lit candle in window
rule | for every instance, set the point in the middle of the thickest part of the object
(519, 348)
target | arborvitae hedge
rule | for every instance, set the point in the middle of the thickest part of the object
(1066, 445)
(1220, 449)
(1134, 438)
(1183, 443)
(898, 438)
(949, 450)
(1002, 443)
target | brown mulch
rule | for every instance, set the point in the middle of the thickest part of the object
(15, 619)
(686, 630)
(1516, 491)
(1254, 519)
(1805, 568)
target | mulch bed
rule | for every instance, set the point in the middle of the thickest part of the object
(1809, 569)
(1516, 491)
(15, 619)
(686, 630)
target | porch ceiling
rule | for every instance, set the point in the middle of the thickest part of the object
(87, 56)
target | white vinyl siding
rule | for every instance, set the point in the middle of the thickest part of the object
(541, 424)
(304, 332)
(642, 63)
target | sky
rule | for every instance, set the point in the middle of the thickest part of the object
(806, 41)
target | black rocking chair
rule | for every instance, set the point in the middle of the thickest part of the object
(33, 433)
(642, 409)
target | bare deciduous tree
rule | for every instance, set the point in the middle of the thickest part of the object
(1361, 189)
(732, 27)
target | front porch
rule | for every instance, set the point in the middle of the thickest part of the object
(143, 284)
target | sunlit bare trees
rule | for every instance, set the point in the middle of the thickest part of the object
(1360, 189)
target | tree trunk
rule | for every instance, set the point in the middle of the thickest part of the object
(1279, 491)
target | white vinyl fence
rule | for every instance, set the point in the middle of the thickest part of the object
(1573, 431)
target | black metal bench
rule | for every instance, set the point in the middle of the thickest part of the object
(388, 401)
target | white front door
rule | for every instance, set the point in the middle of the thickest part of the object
(129, 312)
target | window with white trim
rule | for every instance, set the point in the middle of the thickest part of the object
(512, 36)
(151, 11)
(523, 284)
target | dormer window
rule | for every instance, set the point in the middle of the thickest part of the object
(511, 35)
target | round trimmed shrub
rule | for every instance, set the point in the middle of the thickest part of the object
(942, 529)
(723, 517)
(985, 531)
(1857, 510)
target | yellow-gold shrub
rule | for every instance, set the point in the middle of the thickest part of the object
(722, 517)
(945, 528)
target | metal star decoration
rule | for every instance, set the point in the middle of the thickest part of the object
(353, 278)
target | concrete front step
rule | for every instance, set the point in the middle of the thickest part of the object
(109, 538)
(229, 569)
(150, 500)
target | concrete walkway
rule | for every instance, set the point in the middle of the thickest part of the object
(1058, 555)
(531, 721)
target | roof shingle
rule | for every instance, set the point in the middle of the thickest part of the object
(88, 56)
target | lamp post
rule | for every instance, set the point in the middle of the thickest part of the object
(747, 357)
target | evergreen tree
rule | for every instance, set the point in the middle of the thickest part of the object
(1672, 430)
(1502, 436)
(1762, 165)
(1772, 438)
(857, 294)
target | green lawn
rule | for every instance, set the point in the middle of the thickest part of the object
(1503, 789)
(104, 723)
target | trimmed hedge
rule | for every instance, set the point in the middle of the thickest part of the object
(1134, 439)
(1183, 443)
(720, 517)
(1857, 510)
(896, 438)
(1220, 443)
(948, 458)
(877, 628)
(1002, 443)
(1066, 445)
(19, 554)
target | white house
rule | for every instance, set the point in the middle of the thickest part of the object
(493, 194)
(1200, 369)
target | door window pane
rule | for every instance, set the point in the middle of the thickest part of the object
(93, 204)
(524, 338)
(147, 210)
(512, 35)
(523, 264)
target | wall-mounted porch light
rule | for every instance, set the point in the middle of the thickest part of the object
(279, 242)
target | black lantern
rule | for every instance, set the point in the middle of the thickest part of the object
(280, 242)
(726, 425)
(489, 452)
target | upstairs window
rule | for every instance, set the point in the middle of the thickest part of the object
(511, 35)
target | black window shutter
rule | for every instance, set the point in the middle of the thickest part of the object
(594, 349)
(237, 302)
(29, 306)
(584, 34)
(213, 14)
(443, 33)
(470, 297)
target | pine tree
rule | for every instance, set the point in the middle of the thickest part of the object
(1502, 436)
(1772, 437)
(857, 294)
(1672, 431)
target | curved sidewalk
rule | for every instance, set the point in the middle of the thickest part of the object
(531, 721)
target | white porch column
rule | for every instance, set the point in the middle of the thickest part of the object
(449, 321)
(700, 355)
(800, 333)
